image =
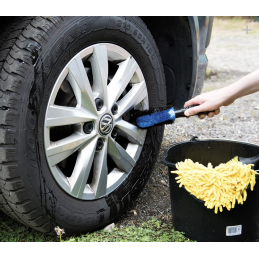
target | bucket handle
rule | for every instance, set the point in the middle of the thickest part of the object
(195, 138)
(165, 162)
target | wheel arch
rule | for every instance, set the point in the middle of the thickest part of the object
(182, 42)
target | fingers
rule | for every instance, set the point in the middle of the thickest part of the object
(217, 111)
(211, 114)
(193, 101)
(202, 116)
(193, 111)
(200, 109)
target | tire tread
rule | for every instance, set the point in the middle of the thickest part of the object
(14, 62)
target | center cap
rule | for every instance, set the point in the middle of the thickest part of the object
(105, 125)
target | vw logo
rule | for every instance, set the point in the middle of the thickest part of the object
(105, 125)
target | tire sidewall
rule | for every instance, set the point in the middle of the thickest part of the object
(73, 214)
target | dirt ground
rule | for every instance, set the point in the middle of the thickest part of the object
(232, 54)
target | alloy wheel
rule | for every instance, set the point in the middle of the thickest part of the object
(90, 144)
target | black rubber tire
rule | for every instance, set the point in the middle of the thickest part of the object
(33, 52)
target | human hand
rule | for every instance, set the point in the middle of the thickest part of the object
(210, 101)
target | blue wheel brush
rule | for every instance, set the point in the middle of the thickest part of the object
(159, 116)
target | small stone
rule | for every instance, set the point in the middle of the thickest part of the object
(163, 182)
(256, 107)
(134, 212)
(109, 227)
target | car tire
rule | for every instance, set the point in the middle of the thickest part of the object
(34, 52)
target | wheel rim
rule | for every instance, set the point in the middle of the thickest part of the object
(101, 142)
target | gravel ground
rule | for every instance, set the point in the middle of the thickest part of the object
(232, 54)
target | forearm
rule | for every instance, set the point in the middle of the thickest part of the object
(245, 86)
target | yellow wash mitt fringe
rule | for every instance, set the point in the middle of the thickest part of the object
(219, 187)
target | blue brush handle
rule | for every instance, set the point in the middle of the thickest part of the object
(161, 117)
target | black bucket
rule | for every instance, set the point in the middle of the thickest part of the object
(191, 216)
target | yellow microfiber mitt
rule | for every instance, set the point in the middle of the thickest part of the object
(218, 187)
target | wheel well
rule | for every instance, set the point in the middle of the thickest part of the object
(173, 39)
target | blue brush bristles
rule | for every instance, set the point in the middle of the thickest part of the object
(155, 118)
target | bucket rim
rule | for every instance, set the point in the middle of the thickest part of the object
(195, 139)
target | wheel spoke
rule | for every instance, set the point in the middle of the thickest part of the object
(136, 94)
(100, 172)
(131, 132)
(63, 115)
(121, 79)
(120, 156)
(80, 84)
(60, 150)
(82, 168)
(134, 150)
(99, 62)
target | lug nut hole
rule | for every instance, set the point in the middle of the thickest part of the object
(114, 133)
(99, 104)
(114, 109)
(88, 127)
(99, 144)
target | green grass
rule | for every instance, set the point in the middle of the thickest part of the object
(13, 231)
(151, 231)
